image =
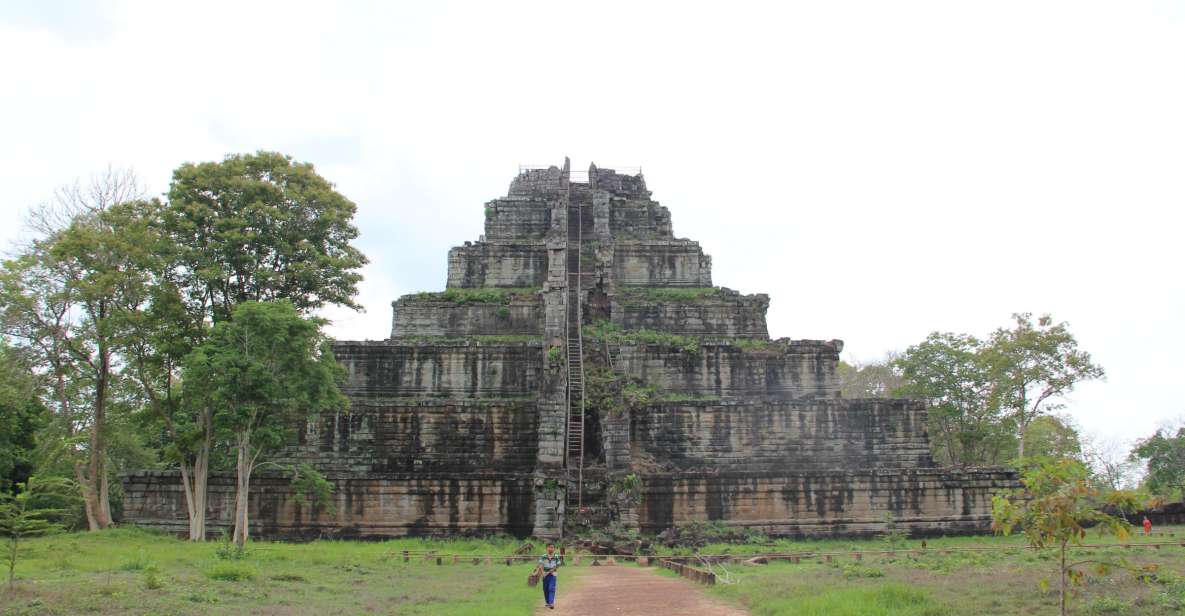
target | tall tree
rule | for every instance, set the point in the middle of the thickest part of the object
(1109, 462)
(947, 370)
(22, 414)
(1164, 455)
(876, 379)
(1033, 366)
(60, 299)
(263, 371)
(260, 227)
(1054, 508)
(1053, 436)
(254, 227)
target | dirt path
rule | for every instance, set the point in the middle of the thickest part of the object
(627, 590)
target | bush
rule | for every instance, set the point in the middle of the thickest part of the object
(138, 563)
(1107, 605)
(857, 570)
(232, 572)
(153, 579)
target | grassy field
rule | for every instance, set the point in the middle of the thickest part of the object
(958, 583)
(129, 571)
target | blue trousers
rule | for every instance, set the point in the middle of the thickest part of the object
(549, 589)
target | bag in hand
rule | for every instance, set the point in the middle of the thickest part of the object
(533, 580)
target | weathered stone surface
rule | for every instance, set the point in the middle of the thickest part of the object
(459, 422)
(822, 503)
(367, 506)
(486, 264)
(417, 317)
(728, 315)
(427, 435)
(515, 219)
(671, 263)
(801, 369)
(784, 435)
(448, 368)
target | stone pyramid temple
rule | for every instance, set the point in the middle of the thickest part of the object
(580, 370)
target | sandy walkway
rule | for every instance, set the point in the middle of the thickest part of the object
(627, 590)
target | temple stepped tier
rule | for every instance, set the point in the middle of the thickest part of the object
(578, 345)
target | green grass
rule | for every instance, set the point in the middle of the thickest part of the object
(611, 333)
(131, 571)
(916, 582)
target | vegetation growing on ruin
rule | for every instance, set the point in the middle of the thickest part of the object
(758, 345)
(662, 295)
(455, 340)
(615, 393)
(611, 333)
(490, 295)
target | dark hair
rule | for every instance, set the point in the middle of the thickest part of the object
(550, 545)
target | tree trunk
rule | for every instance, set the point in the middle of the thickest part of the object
(1020, 444)
(94, 487)
(196, 495)
(12, 548)
(243, 470)
(90, 498)
(105, 497)
(1062, 578)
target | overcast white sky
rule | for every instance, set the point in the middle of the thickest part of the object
(881, 169)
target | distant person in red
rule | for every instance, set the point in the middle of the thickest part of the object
(1147, 526)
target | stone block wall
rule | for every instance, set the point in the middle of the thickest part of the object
(802, 369)
(723, 316)
(516, 219)
(447, 369)
(417, 317)
(671, 263)
(400, 435)
(639, 219)
(784, 435)
(819, 503)
(487, 264)
(373, 506)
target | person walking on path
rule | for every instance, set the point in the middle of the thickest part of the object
(1147, 526)
(548, 564)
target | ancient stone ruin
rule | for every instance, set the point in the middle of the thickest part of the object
(580, 370)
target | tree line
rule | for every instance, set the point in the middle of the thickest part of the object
(176, 331)
(1001, 399)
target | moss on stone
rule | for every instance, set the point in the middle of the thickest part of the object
(453, 340)
(663, 295)
(488, 295)
(610, 333)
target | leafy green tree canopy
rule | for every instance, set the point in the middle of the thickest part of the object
(22, 414)
(1033, 365)
(260, 227)
(263, 371)
(1164, 454)
(1055, 506)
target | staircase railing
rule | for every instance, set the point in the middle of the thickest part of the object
(574, 317)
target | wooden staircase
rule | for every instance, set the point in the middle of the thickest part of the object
(574, 458)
